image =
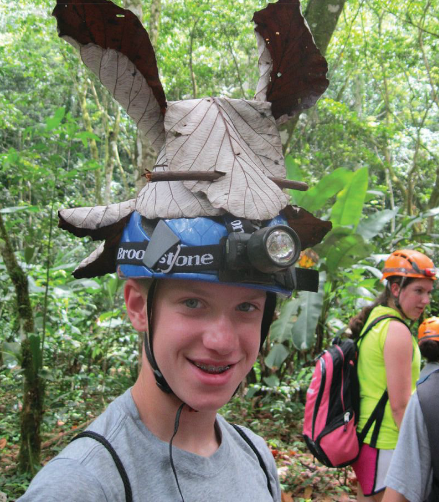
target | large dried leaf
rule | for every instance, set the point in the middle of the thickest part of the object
(237, 138)
(310, 229)
(102, 261)
(115, 46)
(292, 70)
(99, 222)
(171, 199)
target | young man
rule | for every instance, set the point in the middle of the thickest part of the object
(204, 250)
(202, 337)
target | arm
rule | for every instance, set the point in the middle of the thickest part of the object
(391, 495)
(398, 353)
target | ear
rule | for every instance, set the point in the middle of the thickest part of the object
(395, 289)
(135, 301)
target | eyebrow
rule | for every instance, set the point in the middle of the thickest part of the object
(252, 295)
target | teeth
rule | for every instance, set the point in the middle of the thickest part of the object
(212, 369)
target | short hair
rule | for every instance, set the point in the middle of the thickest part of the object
(430, 350)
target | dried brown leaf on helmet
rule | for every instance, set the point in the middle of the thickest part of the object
(310, 229)
(237, 138)
(102, 261)
(171, 199)
(115, 46)
(292, 70)
(98, 222)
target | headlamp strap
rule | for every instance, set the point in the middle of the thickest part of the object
(188, 259)
(239, 225)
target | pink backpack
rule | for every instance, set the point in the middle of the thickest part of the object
(332, 404)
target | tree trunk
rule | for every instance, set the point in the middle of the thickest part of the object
(31, 360)
(82, 95)
(113, 154)
(322, 17)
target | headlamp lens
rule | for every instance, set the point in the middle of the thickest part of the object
(281, 247)
(271, 249)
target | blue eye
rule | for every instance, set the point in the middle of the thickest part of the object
(192, 303)
(246, 307)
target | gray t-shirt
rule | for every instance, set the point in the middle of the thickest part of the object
(410, 472)
(85, 471)
(427, 369)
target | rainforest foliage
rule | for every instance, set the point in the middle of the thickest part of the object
(369, 151)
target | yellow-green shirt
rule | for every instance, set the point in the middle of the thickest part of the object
(372, 377)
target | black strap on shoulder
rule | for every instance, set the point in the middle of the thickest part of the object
(377, 414)
(428, 395)
(376, 321)
(256, 452)
(117, 460)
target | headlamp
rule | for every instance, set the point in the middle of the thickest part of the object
(268, 250)
(430, 272)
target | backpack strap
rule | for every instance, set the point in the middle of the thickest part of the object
(377, 414)
(244, 436)
(373, 323)
(123, 474)
(428, 395)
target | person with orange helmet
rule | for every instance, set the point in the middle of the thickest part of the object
(389, 362)
(414, 470)
(428, 340)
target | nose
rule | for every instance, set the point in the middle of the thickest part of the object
(221, 336)
(426, 298)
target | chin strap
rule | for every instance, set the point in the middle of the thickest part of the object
(162, 384)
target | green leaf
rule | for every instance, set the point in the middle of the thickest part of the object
(16, 209)
(272, 381)
(11, 353)
(280, 329)
(331, 239)
(28, 253)
(304, 328)
(85, 135)
(294, 173)
(372, 226)
(349, 205)
(316, 197)
(346, 252)
(55, 121)
(276, 356)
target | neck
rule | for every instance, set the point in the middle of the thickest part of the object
(392, 304)
(158, 410)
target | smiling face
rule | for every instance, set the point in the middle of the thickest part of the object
(206, 338)
(414, 298)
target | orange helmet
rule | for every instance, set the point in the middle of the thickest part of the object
(429, 330)
(409, 263)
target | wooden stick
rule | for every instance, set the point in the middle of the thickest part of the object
(213, 176)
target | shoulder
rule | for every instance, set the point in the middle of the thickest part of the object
(240, 432)
(84, 469)
(64, 479)
(244, 439)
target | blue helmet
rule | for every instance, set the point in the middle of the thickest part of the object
(224, 249)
